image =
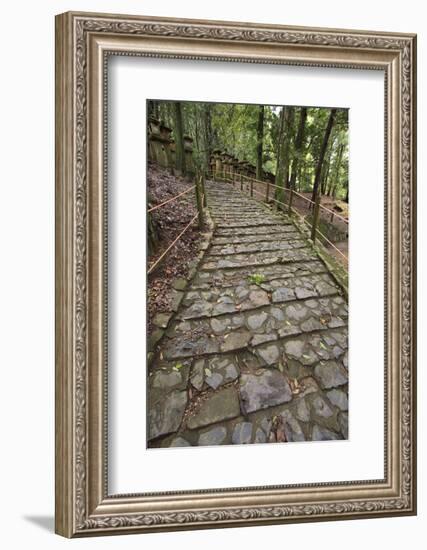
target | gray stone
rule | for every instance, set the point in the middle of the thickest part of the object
(321, 408)
(292, 428)
(242, 433)
(219, 325)
(302, 293)
(179, 284)
(277, 313)
(302, 412)
(323, 434)
(296, 312)
(222, 405)
(324, 288)
(283, 294)
(338, 398)
(270, 354)
(197, 374)
(343, 422)
(259, 391)
(179, 442)
(165, 415)
(330, 374)
(215, 436)
(345, 360)
(154, 337)
(231, 372)
(214, 380)
(336, 322)
(260, 436)
(337, 351)
(162, 319)
(236, 340)
(294, 348)
(176, 299)
(311, 324)
(256, 320)
(241, 292)
(166, 379)
(258, 298)
(262, 339)
(223, 307)
(308, 358)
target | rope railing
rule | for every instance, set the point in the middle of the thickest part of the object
(200, 201)
(302, 217)
(170, 200)
(171, 245)
(286, 190)
(304, 220)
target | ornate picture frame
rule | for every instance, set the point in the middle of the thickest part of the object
(84, 42)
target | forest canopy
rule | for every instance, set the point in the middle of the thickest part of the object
(305, 148)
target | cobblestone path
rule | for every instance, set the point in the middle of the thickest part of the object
(257, 350)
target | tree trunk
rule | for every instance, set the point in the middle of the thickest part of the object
(179, 140)
(296, 163)
(338, 166)
(318, 173)
(282, 170)
(207, 134)
(259, 146)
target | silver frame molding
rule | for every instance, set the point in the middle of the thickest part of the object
(83, 43)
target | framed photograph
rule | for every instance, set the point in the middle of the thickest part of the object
(235, 274)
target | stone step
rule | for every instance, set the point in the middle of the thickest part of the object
(237, 331)
(236, 276)
(258, 259)
(247, 295)
(260, 230)
(262, 238)
(247, 248)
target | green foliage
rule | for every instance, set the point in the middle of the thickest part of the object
(233, 128)
(256, 278)
(178, 366)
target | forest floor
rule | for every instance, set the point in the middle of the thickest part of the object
(256, 352)
(169, 221)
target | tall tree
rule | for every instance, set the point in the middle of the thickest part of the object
(282, 168)
(259, 145)
(179, 140)
(335, 181)
(207, 133)
(323, 148)
(296, 161)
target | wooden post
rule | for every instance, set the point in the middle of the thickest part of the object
(291, 196)
(241, 182)
(267, 191)
(332, 217)
(199, 200)
(315, 217)
(252, 187)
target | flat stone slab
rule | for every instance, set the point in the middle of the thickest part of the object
(165, 416)
(231, 332)
(285, 232)
(246, 294)
(258, 258)
(330, 374)
(247, 248)
(233, 277)
(222, 405)
(259, 391)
